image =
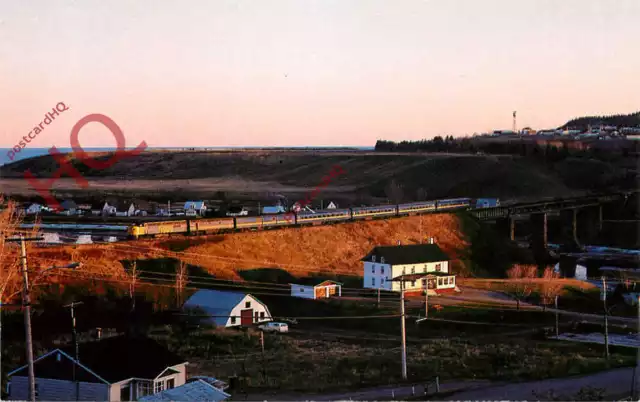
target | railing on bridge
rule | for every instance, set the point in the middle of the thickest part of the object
(544, 206)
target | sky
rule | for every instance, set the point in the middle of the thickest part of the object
(302, 72)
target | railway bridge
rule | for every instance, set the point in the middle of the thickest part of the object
(579, 216)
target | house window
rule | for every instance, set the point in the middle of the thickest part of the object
(438, 267)
(171, 383)
(382, 281)
(301, 290)
(373, 258)
(247, 304)
(262, 315)
(158, 387)
(445, 281)
(373, 281)
(233, 319)
(144, 388)
(373, 269)
(382, 270)
(413, 284)
(413, 270)
(424, 268)
(439, 281)
(404, 271)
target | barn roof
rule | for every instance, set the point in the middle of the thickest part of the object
(410, 254)
(217, 303)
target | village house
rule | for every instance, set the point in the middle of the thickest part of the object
(228, 308)
(324, 289)
(34, 209)
(198, 390)
(385, 263)
(112, 369)
(195, 208)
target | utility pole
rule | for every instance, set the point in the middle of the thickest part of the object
(426, 301)
(26, 302)
(75, 342)
(404, 333)
(556, 305)
(606, 319)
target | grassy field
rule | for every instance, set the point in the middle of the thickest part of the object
(292, 363)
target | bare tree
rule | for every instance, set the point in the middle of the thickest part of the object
(181, 282)
(520, 281)
(394, 191)
(550, 288)
(9, 278)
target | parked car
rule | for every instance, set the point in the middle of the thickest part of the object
(274, 327)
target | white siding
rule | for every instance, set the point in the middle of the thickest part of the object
(58, 390)
(256, 306)
(306, 292)
(373, 274)
(377, 275)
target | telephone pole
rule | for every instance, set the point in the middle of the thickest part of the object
(75, 342)
(556, 305)
(606, 319)
(26, 302)
(404, 333)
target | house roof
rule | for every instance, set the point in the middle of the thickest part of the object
(311, 281)
(217, 303)
(192, 391)
(411, 254)
(111, 359)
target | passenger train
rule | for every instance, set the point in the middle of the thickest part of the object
(221, 225)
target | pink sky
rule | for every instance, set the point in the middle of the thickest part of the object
(301, 72)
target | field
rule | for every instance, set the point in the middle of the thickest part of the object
(264, 176)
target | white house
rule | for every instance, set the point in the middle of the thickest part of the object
(198, 390)
(195, 208)
(229, 309)
(385, 263)
(34, 209)
(323, 289)
(111, 369)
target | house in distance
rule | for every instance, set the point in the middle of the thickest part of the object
(384, 263)
(324, 289)
(229, 309)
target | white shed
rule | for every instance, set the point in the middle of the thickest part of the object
(229, 309)
(323, 289)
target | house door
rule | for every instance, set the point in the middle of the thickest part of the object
(431, 283)
(321, 292)
(246, 317)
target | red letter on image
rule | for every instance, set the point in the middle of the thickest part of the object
(117, 133)
(43, 187)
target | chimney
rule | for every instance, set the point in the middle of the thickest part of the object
(432, 240)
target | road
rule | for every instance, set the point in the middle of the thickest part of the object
(616, 383)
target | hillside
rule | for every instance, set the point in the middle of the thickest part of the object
(369, 177)
(268, 256)
(618, 120)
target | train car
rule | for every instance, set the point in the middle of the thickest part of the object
(486, 203)
(453, 203)
(415, 207)
(278, 220)
(158, 228)
(330, 215)
(364, 212)
(211, 225)
(248, 222)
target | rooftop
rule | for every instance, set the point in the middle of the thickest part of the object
(411, 254)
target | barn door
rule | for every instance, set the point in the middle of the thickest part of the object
(246, 317)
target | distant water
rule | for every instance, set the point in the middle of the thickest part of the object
(33, 152)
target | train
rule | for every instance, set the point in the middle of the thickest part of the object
(199, 226)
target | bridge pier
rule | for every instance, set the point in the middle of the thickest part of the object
(507, 225)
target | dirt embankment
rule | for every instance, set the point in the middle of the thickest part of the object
(302, 252)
